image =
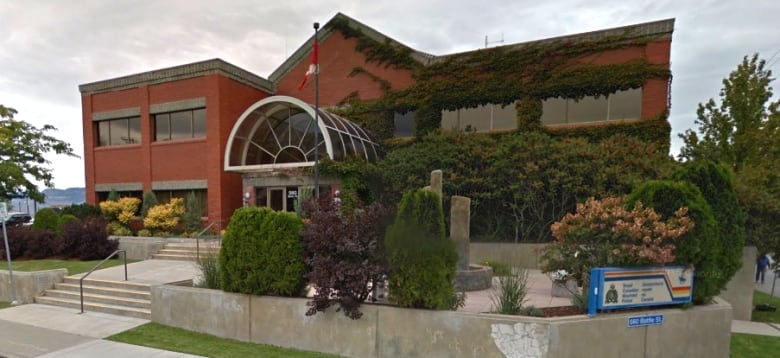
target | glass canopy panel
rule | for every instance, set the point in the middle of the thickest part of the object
(283, 132)
(337, 143)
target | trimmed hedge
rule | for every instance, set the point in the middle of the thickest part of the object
(422, 260)
(46, 219)
(262, 253)
(82, 211)
(717, 187)
(699, 247)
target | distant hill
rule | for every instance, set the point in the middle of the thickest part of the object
(64, 197)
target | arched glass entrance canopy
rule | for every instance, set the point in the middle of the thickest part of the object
(278, 132)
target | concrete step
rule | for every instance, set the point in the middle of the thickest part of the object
(174, 257)
(192, 245)
(100, 299)
(192, 252)
(123, 285)
(96, 307)
(105, 291)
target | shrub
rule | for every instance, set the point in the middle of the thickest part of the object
(150, 201)
(697, 247)
(192, 214)
(717, 187)
(46, 219)
(41, 244)
(262, 253)
(499, 268)
(122, 210)
(17, 243)
(531, 311)
(422, 260)
(69, 238)
(117, 229)
(113, 195)
(144, 233)
(208, 264)
(64, 219)
(343, 249)
(81, 211)
(164, 217)
(509, 297)
(87, 239)
(605, 233)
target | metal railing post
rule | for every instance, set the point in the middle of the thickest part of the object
(81, 280)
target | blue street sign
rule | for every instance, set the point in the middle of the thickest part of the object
(648, 320)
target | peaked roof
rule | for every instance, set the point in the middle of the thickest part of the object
(304, 51)
(660, 29)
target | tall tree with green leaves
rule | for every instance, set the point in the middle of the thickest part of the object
(743, 128)
(743, 133)
(23, 147)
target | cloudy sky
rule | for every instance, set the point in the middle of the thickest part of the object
(49, 47)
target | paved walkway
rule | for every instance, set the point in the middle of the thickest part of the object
(36, 330)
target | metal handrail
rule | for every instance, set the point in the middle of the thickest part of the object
(81, 280)
(197, 239)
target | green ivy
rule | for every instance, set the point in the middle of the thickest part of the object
(527, 73)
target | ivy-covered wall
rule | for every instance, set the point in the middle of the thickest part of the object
(527, 73)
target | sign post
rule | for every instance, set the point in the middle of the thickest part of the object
(624, 287)
(3, 216)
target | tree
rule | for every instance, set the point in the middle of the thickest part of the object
(22, 161)
(149, 201)
(744, 127)
(742, 133)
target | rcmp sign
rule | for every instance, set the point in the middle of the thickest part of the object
(621, 287)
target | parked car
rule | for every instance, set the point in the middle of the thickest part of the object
(16, 219)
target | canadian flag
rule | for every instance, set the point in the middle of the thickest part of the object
(314, 67)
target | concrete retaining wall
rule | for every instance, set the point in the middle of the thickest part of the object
(739, 291)
(140, 248)
(385, 331)
(518, 255)
(29, 284)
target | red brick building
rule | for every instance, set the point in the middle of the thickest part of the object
(232, 137)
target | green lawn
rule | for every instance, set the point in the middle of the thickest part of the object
(73, 267)
(751, 345)
(762, 316)
(178, 340)
(4, 304)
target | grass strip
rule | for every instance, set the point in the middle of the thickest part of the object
(160, 336)
(764, 316)
(73, 266)
(751, 345)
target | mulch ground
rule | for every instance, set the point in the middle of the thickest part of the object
(561, 311)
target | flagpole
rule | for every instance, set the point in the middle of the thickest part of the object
(316, 115)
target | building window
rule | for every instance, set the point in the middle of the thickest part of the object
(165, 196)
(403, 124)
(180, 125)
(103, 195)
(120, 131)
(617, 106)
(490, 117)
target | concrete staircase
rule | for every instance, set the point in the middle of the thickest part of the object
(188, 250)
(122, 298)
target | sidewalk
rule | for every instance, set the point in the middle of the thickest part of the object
(36, 330)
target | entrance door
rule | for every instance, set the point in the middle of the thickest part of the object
(276, 199)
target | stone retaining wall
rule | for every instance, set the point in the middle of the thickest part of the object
(386, 331)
